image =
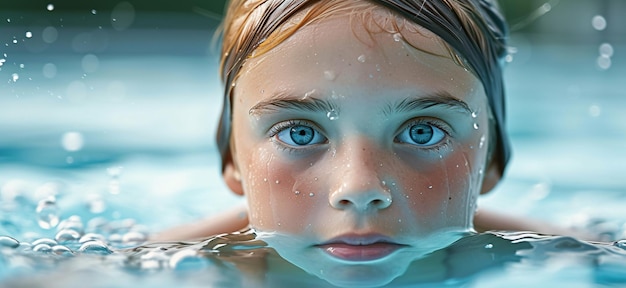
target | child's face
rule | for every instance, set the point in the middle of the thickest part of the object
(345, 137)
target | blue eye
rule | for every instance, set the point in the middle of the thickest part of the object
(300, 135)
(421, 135)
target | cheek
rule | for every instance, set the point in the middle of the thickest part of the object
(281, 195)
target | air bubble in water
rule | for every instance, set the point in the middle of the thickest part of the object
(42, 248)
(361, 58)
(62, 250)
(50, 7)
(95, 247)
(332, 115)
(598, 22)
(10, 242)
(67, 235)
(47, 213)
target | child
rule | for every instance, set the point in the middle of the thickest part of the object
(360, 129)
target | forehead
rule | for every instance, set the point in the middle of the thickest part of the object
(341, 44)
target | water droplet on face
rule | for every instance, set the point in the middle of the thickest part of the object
(297, 192)
(474, 114)
(598, 22)
(311, 194)
(430, 187)
(361, 58)
(476, 126)
(397, 37)
(264, 179)
(383, 182)
(332, 115)
(50, 7)
(482, 141)
(330, 75)
(315, 178)
(277, 181)
(29, 34)
(47, 213)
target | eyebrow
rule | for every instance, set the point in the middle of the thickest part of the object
(442, 99)
(281, 101)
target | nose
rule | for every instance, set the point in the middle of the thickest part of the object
(357, 181)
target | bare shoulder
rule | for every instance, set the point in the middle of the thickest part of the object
(231, 220)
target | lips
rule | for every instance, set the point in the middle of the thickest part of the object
(360, 247)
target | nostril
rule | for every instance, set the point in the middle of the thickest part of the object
(377, 202)
(344, 202)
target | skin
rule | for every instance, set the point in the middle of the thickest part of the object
(361, 179)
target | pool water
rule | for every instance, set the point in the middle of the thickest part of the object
(106, 136)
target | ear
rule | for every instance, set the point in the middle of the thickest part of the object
(232, 176)
(492, 176)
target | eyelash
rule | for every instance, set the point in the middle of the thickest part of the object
(279, 127)
(274, 130)
(442, 145)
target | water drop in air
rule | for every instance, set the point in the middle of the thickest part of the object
(93, 11)
(47, 213)
(598, 22)
(29, 34)
(15, 77)
(50, 7)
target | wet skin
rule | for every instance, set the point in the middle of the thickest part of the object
(361, 148)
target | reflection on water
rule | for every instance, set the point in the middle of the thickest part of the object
(242, 259)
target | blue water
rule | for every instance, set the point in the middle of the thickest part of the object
(106, 136)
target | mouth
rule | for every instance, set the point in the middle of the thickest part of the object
(360, 247)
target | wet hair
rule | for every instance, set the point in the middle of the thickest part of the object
(473, 30)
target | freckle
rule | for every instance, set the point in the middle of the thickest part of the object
(449, 198)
